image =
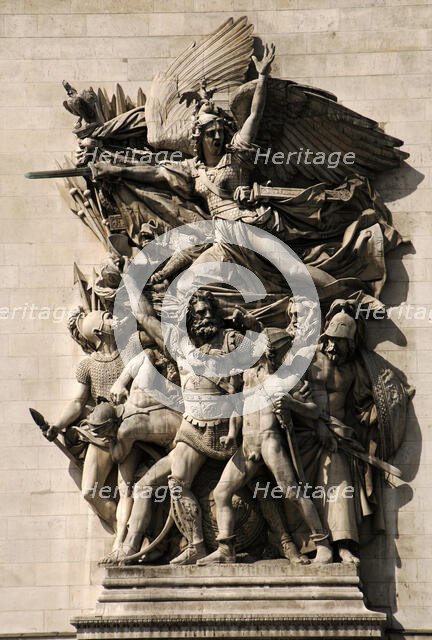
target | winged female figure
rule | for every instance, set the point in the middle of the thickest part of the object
(338, 226)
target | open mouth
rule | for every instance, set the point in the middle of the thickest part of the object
(332, 356)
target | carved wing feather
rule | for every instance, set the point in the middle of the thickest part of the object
(222, 58)
(298, 117)
(119, 103)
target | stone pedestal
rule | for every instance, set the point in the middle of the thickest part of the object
(267, 599)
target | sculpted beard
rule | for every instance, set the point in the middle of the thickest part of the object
(338, 351)
(203, 328)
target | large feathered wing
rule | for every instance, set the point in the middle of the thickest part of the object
(222, 59)
(299, 118)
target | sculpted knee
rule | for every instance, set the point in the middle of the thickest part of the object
(176, 486)
(222, 494)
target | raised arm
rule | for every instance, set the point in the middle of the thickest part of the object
(146, 318)
(250, 128)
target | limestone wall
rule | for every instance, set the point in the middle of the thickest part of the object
(376, 56)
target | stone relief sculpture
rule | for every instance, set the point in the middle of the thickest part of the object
(207, 145)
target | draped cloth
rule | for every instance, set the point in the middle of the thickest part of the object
(345, 231)
(341, 234)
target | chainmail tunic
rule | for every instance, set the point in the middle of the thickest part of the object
(233, 170)
(227, 175)
(100, 371)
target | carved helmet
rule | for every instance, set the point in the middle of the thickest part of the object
(104, 414)
(341, 325)
(90, 325)
(206, 112)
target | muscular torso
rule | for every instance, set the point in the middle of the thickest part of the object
(337, 381)
(146, 368)
(145, 418)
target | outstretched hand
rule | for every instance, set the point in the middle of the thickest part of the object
(263, 66)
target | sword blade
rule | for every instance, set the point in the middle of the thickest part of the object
(260, 192)
(373, 460)
(59, 173)
(288, 427)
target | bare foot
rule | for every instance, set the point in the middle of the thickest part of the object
(290, 552)
(117, 556)
(324, 553)
(347, 557)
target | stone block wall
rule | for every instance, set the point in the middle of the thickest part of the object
(376, 56)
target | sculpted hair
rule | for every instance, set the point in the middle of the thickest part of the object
(85, 345)
(203, 296)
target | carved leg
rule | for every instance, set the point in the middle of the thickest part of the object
(141, 513)
(97, 466)
(187, 515)
(278, 461)
(273, 517)
(186, 462)
(125, 483)
(237, 472)
(126, 472)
